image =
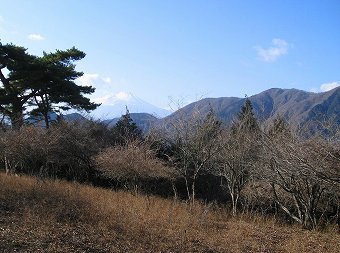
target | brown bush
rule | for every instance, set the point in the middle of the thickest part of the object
(132, 163)
(304, 174)
(25, 150)
(62, 151)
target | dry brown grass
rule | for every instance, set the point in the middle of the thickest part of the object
(45, 216)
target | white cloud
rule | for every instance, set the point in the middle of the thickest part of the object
(93, 79)
(87, 79)
(105, 88)
(103, 83)
(280, 47)
(35, 37)
(329, 86)
(101, 100)
(112, 99)
(106, 79)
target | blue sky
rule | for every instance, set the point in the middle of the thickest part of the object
(184, 50)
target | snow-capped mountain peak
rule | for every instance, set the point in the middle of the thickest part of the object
(115, 105)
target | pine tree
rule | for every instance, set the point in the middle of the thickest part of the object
(126, 130)
(45, 83)
(13, 88)
(246, 120)
(56, 89)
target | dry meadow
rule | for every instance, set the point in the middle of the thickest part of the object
(57, 216)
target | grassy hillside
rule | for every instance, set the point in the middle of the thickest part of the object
(56, 216)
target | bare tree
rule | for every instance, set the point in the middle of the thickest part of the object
(194, 146)
(238, 154)
(237, 159)
(301, 172)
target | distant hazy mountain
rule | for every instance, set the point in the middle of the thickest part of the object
(39, 120)
(73, 117)
(143, 120)
(296, 106)
(115, 106)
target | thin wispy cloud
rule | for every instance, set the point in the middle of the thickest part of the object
(111, 99)
(35, 37)
(101, 100)
(279, 48)
(92, 79)
(329, 86)
(106, 79)
(103, 85)
(87, 79)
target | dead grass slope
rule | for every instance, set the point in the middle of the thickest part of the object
(55, 216)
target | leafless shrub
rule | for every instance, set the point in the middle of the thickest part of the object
(236, 162)
(256, 197)
(302, 172)
(71, 150)
(238, 154)
(25, 150)
(194, 147)
(63, 151)
(132, 163)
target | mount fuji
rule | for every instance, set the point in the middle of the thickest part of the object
(115, 106)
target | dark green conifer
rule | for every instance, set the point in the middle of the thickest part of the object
(126, 130)
(46, 83)
(246, 120)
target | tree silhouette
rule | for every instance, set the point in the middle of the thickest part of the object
(46, 83)
(246, 119)
(56, 89)
(13, 89)
(126, 130)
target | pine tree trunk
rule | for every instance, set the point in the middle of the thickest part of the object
(47, 122)
(17, 120)
(44, 107)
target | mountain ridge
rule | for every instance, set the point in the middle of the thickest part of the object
(296, 106)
